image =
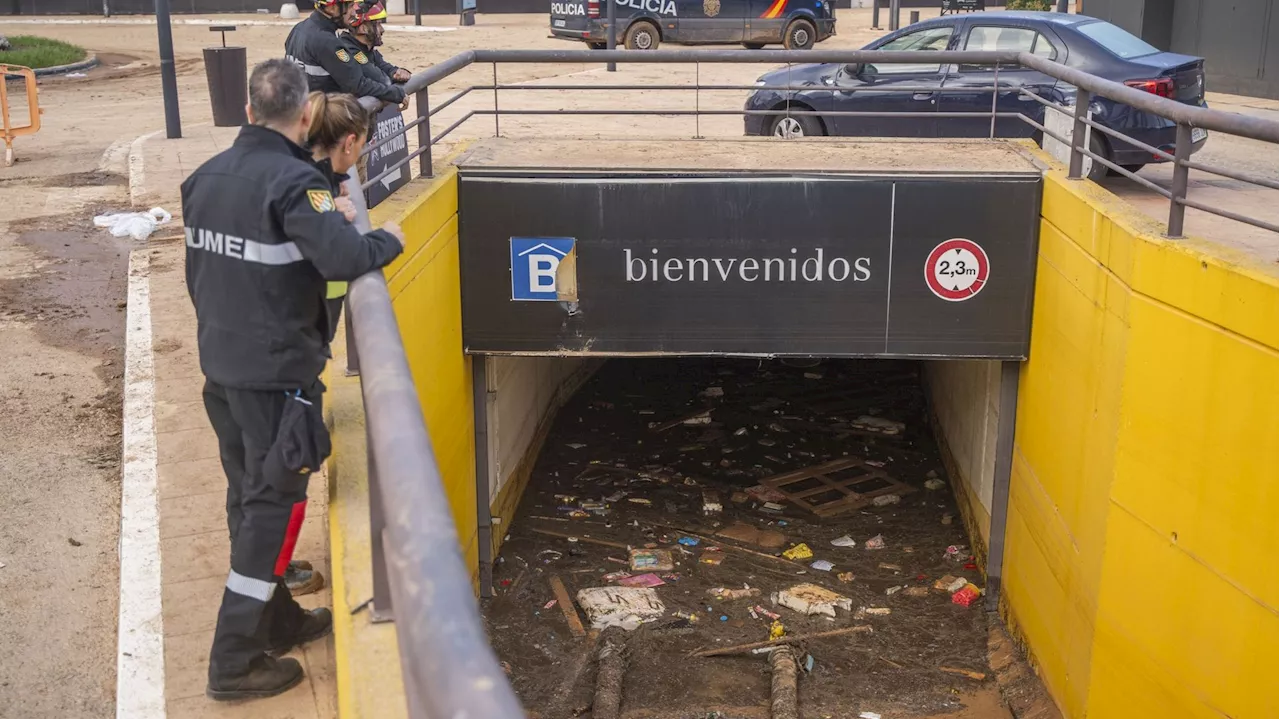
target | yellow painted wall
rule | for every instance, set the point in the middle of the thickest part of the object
(1141, 554)
(424, 285)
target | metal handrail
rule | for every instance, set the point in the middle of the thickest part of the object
(448, 666)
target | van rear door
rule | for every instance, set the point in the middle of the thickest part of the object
(569, 17)
(711, 21)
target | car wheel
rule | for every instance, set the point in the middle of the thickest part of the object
(801, 35)
(642, 36)
(1131, 168)
(753, 45)
(1098, 147)
(789, 126)
(598, 45)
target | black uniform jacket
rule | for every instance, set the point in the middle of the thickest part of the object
(263, 235)
(330, 66)
(371, 62)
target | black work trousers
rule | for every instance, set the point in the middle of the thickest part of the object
(265, 510)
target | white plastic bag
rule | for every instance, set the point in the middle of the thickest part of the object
(138, 225)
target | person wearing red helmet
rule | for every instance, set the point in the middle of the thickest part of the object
(313, 44)
(363, 38)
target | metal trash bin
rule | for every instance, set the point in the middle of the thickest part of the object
(227, 71)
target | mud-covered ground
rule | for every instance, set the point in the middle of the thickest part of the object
(607, 440)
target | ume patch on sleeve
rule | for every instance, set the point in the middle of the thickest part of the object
(343, 56)
(321, 200)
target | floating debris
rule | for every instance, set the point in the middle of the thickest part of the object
(626, 607)
(810, 599)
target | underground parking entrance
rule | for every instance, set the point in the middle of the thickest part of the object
(740, 430)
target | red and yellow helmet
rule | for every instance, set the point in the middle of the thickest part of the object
(368, 12)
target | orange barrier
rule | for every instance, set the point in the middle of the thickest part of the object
(33, 104)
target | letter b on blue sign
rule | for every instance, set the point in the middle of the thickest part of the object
(534, 262)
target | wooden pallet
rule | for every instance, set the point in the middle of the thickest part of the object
(836, 487)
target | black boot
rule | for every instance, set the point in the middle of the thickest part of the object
(266, 677)
(316, 624)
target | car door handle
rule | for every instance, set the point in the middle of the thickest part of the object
(922, 96)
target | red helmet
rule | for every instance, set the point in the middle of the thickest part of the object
(368, 11)
(327, 3)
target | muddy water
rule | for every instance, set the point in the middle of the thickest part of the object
(765, 418)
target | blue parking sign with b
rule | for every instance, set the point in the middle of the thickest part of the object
(534, 263)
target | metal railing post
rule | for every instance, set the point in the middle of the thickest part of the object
(611, 42)
(496, 132)
(995, 94)
(875, 14)
(353, 356)
(423, 104)
(697, 101)
(1078, 132)
(1181, 153)
(381, 610)
(895, 15)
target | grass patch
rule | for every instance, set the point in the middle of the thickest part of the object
(37, 52)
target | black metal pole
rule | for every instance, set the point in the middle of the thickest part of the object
(168, 73)
(417, 12)
(1062, 6)
(895, 15)
(875, 14)
(611, 40)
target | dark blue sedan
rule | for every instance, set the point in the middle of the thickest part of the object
(1077, 41)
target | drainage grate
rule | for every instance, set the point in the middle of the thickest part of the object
(836, 487)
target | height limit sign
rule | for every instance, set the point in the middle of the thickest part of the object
(956, 270)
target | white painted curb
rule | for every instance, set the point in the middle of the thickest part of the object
(140, 658)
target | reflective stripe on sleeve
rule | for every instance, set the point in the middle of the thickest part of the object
(250, 587)
(281, 254)
(315, 70)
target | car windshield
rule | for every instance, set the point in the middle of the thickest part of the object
(1119, 42)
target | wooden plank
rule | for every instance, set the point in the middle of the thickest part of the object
(566, 606)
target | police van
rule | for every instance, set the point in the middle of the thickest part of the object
(643, 24)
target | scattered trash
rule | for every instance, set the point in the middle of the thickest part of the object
(772, 507)
(711, 502)
(575, 445)
(747, 534)
(917, 591)
(809, 599)
(890, 567)
(885, 500)
(777, 630)
(615, 576)
(799, 551)
(549, 604)
(978, 676)
(74, 542)
(725, 593)
(946, 518)
(812, 375)
(808, 663)
(689, 541)
(765, 494)
(626, 607)
(642, 580)
(822, 565)
(766, 613)
(954, 553)
(892, 590)
(687, 616)
(696, 418)
(868, 715)
(712, 559)
(739, 497)
(138, 225)
(845, 541)
(932, 484)
(878, 425)
(657, 560)
(965, 596)
(615, 497)
(712, 392)
(877, 611)
(639, 500)
(876, 542)
(845, 577)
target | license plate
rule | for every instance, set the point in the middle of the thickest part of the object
(1198, 134)
(557, 23)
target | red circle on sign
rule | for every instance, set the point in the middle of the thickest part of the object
(956, 270)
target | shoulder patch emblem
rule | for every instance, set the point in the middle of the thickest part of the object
(360, 58)
(321, 200)
(343, 56)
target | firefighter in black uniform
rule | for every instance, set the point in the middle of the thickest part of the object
(363, 39)
(314, 44)
(263, 234)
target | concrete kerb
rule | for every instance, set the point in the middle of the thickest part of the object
(85, 64)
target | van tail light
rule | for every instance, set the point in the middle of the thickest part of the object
(593, 8)
(1160, 87)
